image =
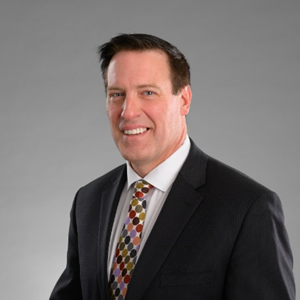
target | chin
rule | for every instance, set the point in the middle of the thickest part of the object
(133, 158)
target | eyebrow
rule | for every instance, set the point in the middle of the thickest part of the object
(141, 86)
(113, 88)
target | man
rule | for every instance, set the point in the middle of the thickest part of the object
(195, 228)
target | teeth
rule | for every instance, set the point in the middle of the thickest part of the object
(135, 131)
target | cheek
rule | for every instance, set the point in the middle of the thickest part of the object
(113, 114)
(165, 121)
(161, 112)
(172, 115)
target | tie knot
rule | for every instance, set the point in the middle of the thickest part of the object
(141, 188)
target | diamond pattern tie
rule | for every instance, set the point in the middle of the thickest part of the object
(129, 242)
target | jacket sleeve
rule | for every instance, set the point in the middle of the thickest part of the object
(68, 286)
(261, 262)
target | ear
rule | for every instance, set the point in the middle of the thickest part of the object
(186, 99)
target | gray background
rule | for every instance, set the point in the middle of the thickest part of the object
(245, 58)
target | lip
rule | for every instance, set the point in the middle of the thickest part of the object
(140, 129)
(135, 131)
(123, 127)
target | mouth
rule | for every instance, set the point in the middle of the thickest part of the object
(136, 131)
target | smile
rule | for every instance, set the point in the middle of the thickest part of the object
(135, 131)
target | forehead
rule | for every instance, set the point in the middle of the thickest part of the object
(139, 61)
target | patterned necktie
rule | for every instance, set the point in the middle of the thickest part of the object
(129, 242)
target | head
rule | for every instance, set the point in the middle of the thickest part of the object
(145, 104)
(179, 67)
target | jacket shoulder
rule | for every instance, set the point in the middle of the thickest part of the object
(232, 182)
(217, 176)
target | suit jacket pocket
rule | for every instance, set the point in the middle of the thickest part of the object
(176, 278)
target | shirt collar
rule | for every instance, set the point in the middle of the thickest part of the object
(164, 174)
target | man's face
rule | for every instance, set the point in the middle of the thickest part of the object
(147, 121)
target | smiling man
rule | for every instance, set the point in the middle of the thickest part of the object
(171, 223)
(147, 119)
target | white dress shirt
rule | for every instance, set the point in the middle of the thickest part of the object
(162, 178)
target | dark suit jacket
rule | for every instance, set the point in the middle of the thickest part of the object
(220, 235)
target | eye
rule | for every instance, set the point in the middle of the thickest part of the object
(114, 95)
(148, 93)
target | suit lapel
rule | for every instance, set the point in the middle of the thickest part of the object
(180, 205)
(109, 202)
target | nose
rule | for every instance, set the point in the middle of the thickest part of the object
(131, 107)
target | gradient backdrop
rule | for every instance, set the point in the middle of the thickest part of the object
(245, 63)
